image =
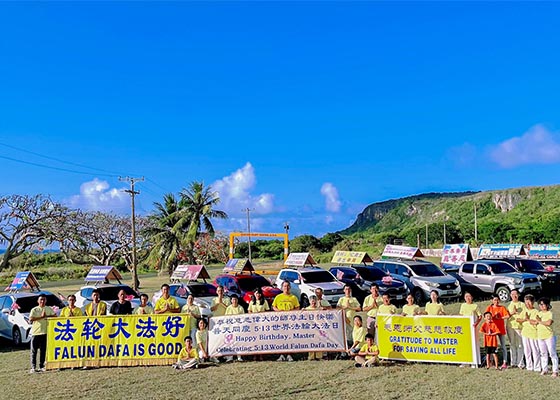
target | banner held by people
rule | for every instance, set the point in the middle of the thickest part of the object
(445, 339)
(123, 340)
(279, 332)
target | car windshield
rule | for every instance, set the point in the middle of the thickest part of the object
(250, 284)
(532, 265)
(112, 292)
(28, 302)
(317, 276)
(426, 269)
(205, 290)
(502, 268)
(371, 274)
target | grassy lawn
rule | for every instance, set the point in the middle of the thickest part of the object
(269, 379)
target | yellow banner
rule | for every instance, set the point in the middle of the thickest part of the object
(119, 340)
(446, 339)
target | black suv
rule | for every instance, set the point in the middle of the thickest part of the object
(550, 280)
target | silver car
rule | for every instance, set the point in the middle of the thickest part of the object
(14, 316)
(202, 292)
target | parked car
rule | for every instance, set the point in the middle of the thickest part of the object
(244, 286)
(108, 293)
(362, 277)
(14, 317)
(496, 277)
(304, 281)
(550, 263)
(202, 292)
(550, 280)
(421, 277)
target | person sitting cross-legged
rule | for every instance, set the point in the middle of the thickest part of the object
(369, 352)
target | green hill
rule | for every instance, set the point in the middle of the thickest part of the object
(526, 215)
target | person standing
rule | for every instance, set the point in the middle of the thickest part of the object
(516, 309)
(219, 303)
(434, 307)
(529, 335)
(285, 301)
(314, 306)
(38, 318)
(166, 303)
(500, 315)
(410, 309)
(349, 305)
(371, 303)
(258, 303)
(143, 308)
(193, 311)
(122, 306)
(321, 301)
(470, 309)
(71, 310)
(546, 338)
(490, 331)
(96, 307)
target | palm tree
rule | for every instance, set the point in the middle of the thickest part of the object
(199, 202)
(166, 232)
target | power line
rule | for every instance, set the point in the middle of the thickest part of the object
(58, 159)
(56, 168)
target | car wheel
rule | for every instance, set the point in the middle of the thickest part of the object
(503, 293)
(304, 301)
(16, 336)
(418, 297)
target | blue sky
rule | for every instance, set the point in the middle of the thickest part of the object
(304, 112)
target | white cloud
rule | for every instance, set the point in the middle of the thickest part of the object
(235, 193)
(332, 203)
(536, 146)
(97, 195)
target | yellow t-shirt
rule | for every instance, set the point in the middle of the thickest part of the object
(545, 332)
(359, 335)
(285, 302)
(348, 302)
(529, 331)
(368, 301)
(66, 312)
(470, 310)
(256, 308)
(39, 327)
(410, 311)
(231, 310)
(194, 312)
(221, 310)
(372, 349)
(185, 355)
(325, 303)
(516, 310)
(202, 337)
(100, 309)
(147, 310)
(434, 308)
(311, 308)
(384, 309)
(171, 302)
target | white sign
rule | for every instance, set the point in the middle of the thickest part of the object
(401, 252)
(299, 259)
(277, 332)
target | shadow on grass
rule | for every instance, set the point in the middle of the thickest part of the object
(6, 346)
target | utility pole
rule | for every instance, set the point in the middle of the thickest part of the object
(132, 193)
(248, 210)
(475, 227)
(287, 229)
(426, 235)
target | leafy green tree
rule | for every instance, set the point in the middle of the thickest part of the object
(330, 240)
(167, 233)
(198, 204)
(304, 244)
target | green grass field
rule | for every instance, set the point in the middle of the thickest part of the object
(269, 379)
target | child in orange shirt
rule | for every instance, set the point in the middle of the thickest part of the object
(491, 332)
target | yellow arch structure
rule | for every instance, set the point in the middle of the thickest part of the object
(233, 235)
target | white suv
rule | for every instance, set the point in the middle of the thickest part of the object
(304, 281)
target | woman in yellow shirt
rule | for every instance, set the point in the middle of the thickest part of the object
(410, 309)
(529, 335)
(546, 338)
(470, 309)
(434, 307)
(258, 303)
